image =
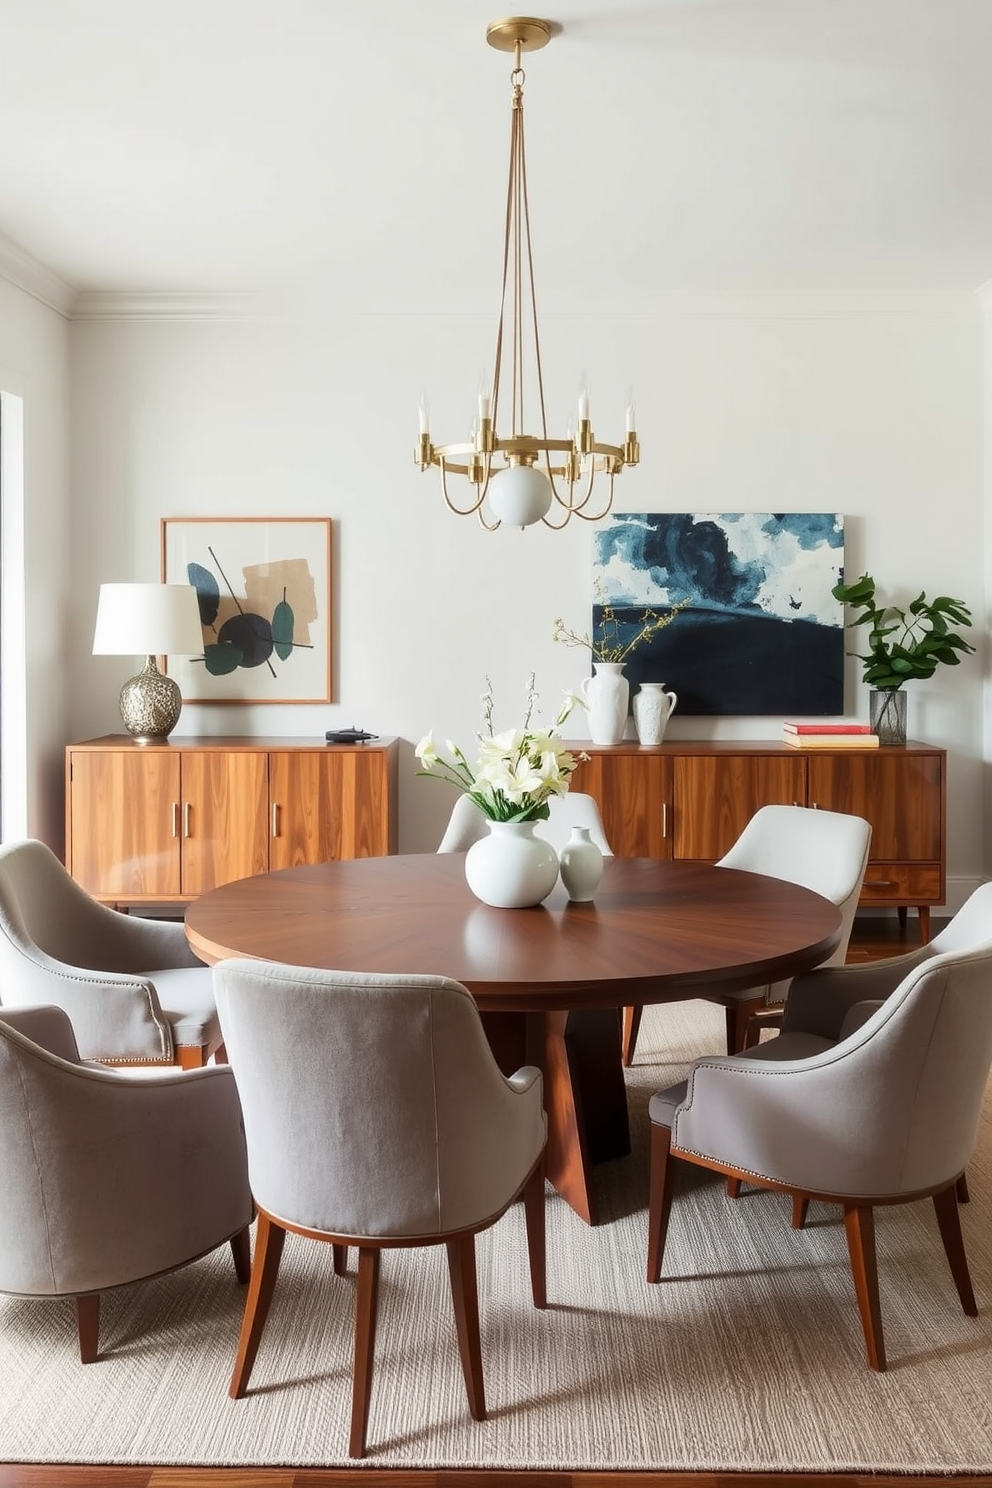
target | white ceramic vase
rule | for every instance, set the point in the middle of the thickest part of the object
(511, 868)
(580, 863)
(652, 708)
(606, 695)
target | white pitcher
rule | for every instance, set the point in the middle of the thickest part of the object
(653, 707)
(606, 695)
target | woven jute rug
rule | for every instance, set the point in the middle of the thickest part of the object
(749, 1355)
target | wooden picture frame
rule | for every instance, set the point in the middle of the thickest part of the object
(264, 590)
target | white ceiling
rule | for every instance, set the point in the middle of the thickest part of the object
(702, 148)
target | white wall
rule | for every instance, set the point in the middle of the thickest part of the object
(879, 416)
(34, 351)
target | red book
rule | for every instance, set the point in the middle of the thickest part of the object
(826, 726)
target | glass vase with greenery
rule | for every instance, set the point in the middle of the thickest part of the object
(903, 645)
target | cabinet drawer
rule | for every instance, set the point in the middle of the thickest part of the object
(901, 883)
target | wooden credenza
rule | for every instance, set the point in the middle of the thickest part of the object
(165, 822)
(691, 800)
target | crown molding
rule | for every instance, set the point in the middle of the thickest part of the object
(91, 304)
(34, 278)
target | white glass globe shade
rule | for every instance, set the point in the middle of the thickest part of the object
(519, 495)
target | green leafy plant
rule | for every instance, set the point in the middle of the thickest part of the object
(905, 645)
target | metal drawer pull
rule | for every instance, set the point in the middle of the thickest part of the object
(275, 818)
(879, 883)
(664, 819)
(175, 818)
(186, 816)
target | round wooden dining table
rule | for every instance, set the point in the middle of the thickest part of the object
(550, 981)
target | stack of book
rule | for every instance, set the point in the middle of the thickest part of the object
(828, 733)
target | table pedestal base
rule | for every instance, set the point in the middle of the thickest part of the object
(578, 1053)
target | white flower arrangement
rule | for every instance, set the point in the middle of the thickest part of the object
(517, 771)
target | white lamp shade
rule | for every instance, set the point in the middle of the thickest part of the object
(148, 620)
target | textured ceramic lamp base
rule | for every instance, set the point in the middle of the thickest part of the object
(150, 704)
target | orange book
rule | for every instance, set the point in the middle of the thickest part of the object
(831, 741)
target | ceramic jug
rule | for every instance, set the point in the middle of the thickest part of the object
(606, 694)
(653, 707)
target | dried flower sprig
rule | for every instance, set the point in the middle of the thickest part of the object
(609, 646)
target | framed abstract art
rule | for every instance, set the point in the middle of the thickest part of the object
(761, 633)
(263, 586)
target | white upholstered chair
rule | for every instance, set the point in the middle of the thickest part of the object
(376, 1117)
(134, 991)
(110, 1177)
(574, 809)
(859, 1101)
(826, 851)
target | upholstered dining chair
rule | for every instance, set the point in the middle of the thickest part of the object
(826, 1004)
(110, 1177)
(134, 991)
(574, 809)
(826, 851)
(885, 1115)
(396, 1129)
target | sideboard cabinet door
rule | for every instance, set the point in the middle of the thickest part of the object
(123, 822)
(634, 793)
(717, 794)
(329, 806)
(223, 818)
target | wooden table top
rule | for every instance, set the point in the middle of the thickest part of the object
(656, 931)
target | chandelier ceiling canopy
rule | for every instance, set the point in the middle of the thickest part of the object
(523, 478)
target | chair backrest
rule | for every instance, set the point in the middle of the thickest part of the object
(922, 1062)
(373, 1105)
(891, 1110)
(574, 809)
(970, 927)
(42, 908)
(826, 851)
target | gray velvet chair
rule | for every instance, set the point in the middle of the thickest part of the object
(134, 991)
(574, 809)
(376, 1116)
(826, 851)
(109, 1177)
(861, 1100)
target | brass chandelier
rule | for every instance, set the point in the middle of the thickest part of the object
(525, 478)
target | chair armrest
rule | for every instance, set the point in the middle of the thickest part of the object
(819, 1000)
(48, 1027)
(113, 1015)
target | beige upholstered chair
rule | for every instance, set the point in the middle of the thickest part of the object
(110, 1177)
(376, 1116)
(133, 989)
(574, 809)
(859, 1102)
(826, 851)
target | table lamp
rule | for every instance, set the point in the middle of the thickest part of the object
(153, 620)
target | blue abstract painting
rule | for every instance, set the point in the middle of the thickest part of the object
(762, 633)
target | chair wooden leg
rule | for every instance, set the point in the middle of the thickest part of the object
(949, 1220)
(631, 1028)
(465, 1296)
(733, 1188)
(190, 1056)
(220, 1054)
(269, 1242)
(961, 1189)
(340, 1254)
(739, 1014)
(241, 1251)
(662, 1182)
(366, 1312)
(88, 1327)
(859, 1222)
(800, 1209)
(534, 1219)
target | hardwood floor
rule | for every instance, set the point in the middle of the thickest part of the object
(873, 937)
